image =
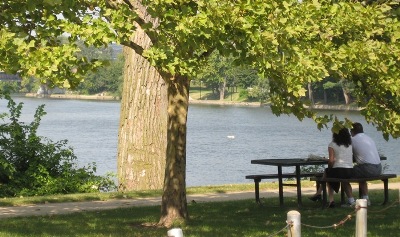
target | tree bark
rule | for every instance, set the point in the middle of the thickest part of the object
(152, 136)
(174, 203)
(143, 123)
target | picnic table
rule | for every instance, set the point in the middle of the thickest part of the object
(292, 162)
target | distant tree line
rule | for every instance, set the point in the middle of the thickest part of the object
(219, 74)
(106, 80)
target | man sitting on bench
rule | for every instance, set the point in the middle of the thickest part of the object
(366, 157)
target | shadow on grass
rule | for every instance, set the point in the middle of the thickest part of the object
(231, 219)
(80, 197)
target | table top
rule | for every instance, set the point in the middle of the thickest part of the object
(290, 161)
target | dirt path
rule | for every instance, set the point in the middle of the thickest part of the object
(71, 207)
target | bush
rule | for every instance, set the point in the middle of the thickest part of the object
(32, 165)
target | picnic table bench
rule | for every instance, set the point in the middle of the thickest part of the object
(297, 163)
(258, 177)
(323, 180)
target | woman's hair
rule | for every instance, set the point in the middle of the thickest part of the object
(342, 137)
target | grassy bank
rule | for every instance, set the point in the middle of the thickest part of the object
(80, 197)
(231, 219)
(18, 201)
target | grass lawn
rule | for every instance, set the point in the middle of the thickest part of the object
(232, 218)
(207, 94)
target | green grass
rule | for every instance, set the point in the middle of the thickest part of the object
(18, 201)
(207, 94)
(231, 219)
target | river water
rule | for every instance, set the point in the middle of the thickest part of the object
(221, 140)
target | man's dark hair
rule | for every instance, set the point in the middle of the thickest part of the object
(357, 128)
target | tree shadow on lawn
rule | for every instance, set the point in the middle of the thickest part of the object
(231, 219)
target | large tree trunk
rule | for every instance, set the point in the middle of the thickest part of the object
(152, 137)
(143, 123)
(174, 203)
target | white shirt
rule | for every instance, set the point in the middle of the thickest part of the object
(343, 156)
(364, 150)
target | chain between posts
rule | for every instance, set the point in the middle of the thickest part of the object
(386, 208)
(348, 217)
(288, 223)
(340, 223)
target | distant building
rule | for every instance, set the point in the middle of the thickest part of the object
(9, 77)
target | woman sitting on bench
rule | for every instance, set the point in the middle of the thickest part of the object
(340, 165)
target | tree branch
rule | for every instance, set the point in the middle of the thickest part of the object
(142, 18)
(207, 53)
(138, 49)
(127, 2)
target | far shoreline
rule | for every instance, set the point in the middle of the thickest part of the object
(191, 101)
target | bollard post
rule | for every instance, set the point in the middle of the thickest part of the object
(361, 218)
(294, 229)
(176, 232)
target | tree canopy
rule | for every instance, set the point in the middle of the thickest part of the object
(40, 38)
(291, 43)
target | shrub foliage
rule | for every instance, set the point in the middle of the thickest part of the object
(33, 165)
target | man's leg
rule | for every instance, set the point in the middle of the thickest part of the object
(363, 189)
(359, 172)
(366, 170)
(364, 192)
